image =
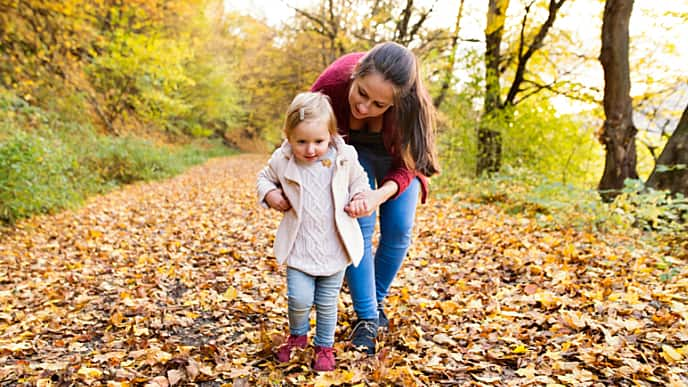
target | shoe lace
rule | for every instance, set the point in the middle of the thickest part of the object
(364, 328)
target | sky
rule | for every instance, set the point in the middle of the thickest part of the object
(655, 33)
(275, 11)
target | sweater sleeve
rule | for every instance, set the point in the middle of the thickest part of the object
(403, 177)
(337, 74)
(398, 172)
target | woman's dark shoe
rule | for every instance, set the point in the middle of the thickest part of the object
(363, 336)
(382, 320)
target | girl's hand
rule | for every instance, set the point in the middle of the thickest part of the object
(364, 204)
(356, 208)
(276, 199)
(369, 201)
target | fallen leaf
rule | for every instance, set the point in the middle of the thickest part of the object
(89, 373)
(670, 354)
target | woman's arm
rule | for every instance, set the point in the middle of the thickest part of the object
(403, 178)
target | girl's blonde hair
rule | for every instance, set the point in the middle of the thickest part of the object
(310, 106)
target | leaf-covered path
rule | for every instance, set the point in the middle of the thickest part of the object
(172, 283)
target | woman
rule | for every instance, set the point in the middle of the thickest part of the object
(385, 112)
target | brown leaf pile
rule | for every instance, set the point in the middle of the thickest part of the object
(173, 283)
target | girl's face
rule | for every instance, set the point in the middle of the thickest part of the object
(309, 140)
(370, 96)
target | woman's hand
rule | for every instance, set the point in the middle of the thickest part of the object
(276, 199)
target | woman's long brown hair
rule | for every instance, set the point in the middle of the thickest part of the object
(415, 113)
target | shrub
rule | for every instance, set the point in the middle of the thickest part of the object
(48, 163)
(36, 176)
(125, 160)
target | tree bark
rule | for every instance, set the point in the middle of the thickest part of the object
(673, 176)
(489, 150)
(490, 140)
(618, 132)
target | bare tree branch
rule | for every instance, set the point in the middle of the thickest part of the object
(536, 44)
(417, 26)
(449, 69)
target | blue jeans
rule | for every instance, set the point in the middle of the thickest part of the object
(302, 291)
(369, 283)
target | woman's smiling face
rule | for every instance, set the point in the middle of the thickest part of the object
(370, 96)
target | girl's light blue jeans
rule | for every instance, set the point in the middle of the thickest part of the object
(303, 290)
(369, 283)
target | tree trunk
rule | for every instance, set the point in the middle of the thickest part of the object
(490, 140)
(618, 132)
(671, 169)
(489, 150)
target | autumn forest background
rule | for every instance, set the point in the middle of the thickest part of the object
(131, 132)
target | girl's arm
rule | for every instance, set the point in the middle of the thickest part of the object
(276, 200)
(268, 187)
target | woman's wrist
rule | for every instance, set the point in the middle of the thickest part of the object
(387, 190)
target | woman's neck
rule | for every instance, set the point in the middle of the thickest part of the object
(373, 124)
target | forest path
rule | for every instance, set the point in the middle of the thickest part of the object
(173, 282)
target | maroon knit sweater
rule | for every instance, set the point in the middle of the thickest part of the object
(335, 82)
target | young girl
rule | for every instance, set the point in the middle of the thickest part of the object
(312, 179)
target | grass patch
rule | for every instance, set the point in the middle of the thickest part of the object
(660, 218)
(47, 164)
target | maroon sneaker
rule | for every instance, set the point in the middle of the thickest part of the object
(284, 352)
(324, 359)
